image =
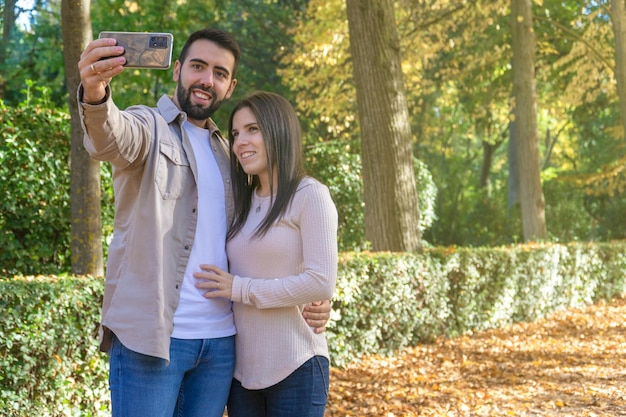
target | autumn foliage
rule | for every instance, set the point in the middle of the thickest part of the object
(569, 364)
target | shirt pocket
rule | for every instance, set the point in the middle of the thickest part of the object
(173, 171)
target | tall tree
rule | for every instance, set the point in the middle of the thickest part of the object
(8, 21)
(618, 18)
(86, 235)
(525, 133)
(390, 195)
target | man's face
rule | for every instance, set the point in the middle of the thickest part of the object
(204, 80)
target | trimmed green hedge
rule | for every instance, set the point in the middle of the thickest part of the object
(35, 189)
(50, 365)
(388, 301)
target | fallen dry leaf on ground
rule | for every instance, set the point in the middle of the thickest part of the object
(572, 363)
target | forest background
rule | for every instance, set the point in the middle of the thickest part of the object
(458, 80)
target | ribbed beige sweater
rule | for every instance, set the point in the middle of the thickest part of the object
(295, 263)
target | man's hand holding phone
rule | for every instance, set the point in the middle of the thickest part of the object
(99, 63)
(107, 56)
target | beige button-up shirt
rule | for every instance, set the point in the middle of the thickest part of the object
(156, 200)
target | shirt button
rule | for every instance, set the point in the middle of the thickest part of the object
(187, 247)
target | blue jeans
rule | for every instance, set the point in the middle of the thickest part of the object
(195, 383)
(302, 394)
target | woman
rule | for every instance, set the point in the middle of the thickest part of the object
(282, 251)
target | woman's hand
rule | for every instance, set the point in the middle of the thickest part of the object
(317, 315)
(216, 282)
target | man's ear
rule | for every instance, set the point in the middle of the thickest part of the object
(231, 89)
(176, 74)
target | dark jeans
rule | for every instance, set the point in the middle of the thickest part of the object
(302, 394)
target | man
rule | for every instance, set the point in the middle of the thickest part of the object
(171, 349)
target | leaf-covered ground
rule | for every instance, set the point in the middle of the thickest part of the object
(572, 363)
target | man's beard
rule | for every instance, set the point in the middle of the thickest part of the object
(196, 112)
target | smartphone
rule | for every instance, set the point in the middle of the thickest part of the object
(149, 50)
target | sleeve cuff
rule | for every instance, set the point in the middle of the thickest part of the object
(81, 90)
(240, 291)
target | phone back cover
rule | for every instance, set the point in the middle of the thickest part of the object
(138, 51)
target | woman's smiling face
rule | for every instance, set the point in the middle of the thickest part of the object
(249, 145)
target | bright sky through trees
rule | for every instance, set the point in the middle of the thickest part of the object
(24, 8)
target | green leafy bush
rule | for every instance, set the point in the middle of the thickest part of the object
(568, 215)
(50, 364)
(34, 183)
(384, 302)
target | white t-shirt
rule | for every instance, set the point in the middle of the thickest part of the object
(197, 317)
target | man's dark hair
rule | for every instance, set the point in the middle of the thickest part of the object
(219, 37)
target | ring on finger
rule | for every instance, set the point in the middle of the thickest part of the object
(93, 69)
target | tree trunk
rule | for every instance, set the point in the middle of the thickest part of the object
(8, 21)
(618, 17)
(525, 116)
(86, 234)
(390, 194)
(485, 169)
